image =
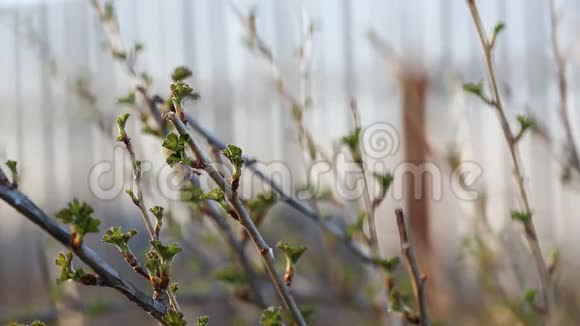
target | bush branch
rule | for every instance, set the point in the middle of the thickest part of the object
(530, 230)
(417, 279)
(107, 274)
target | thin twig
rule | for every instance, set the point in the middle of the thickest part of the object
(244, 218)
(561, 64)
(108, 276)
(418, 279)
(213, 211)
(530, 230)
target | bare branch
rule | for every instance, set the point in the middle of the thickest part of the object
(107, 274)
(418, 279)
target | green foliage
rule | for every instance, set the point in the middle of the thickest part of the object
(174, 318)
(176, 143)
(79, 215)
(115, 237)
(217, 195)
(152, 263)
(158, 212)
(67, 272)
(34, 323)
(385, 180)
(128, 99)
(524, 217)
(234, 155)
(262, 203)
(12, 166)
(272, 316)
(293, 253)
(477, 90)
(166, 253)
(352, 143)
(192, 194)
(202, 321)
(121, 123)
(109, 11)
(174, 287)
(118, 54)
(389, 265)
(179, 91)
(530, 296)
(231, 275)
(180, 73)
(498, 28)
(356, 227)
(525, 122)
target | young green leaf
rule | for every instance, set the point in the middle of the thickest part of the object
(385, 180)
(525, 122)
(202, 321)
(389, 264)
(292, 252)
(12, 166)
(217, 195)
(79, 215)
(176, 143)
(356, 227)
(121, 123)
(166, 253)
(524, 217)
(231, 275)
(179, 91)
(158, 213)
(352, 143)
(498, 28)
(174, 318)
(260, 205)
(530, 296)
(67, 272)
(234, 155)
(115, 237)
(272, 316)
(174, 287)
(128, 99)
(180, 73)
(474, 88)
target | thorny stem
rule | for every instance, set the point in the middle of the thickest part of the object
(244, 219)
(530, 230)
(107, 275)
(418, 279)
(563, 87)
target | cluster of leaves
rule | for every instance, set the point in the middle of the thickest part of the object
(272, 316)
(352, 142)
(79, 215)
(216, 194)
(524, 217)
(180, 91)
(158, 263)
(176, 143)
(34, 323)
(292, 254)
(174, 318)
(119, 239)
(261, 204)
(158, 212)
(12, 166)
(357, 226)
(234, 155)
(68, 272)
(180, 73)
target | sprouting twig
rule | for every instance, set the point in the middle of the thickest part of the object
(417, 279)
(296, 105)
(212, 210)
(374, 243)
(530, 230)
(251, 163)
(244, 218)
(108, 276)
(563, 88)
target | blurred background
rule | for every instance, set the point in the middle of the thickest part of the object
(403, 61)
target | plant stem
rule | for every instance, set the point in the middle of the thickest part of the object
(244, 218)
(563, 88)
(107, 274)
(417, 279)
(530, 230)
